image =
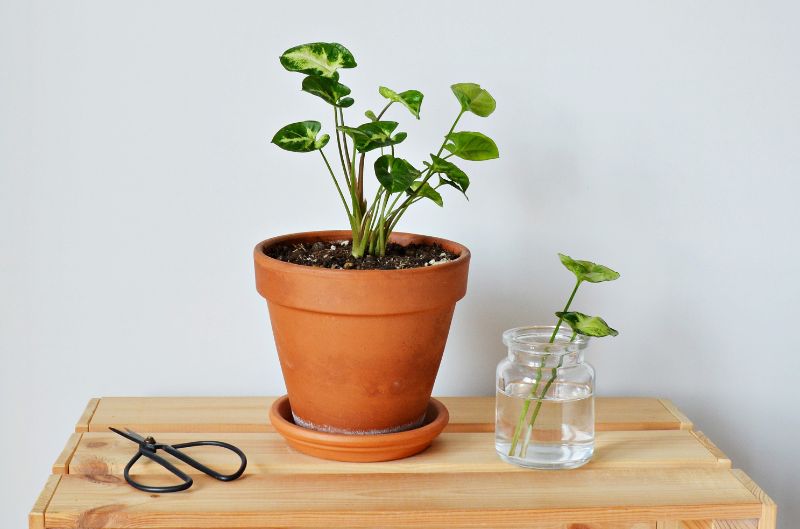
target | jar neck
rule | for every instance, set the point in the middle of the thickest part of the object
(556, 360)
(533, 346)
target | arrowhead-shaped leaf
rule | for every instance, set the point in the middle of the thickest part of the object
(395, 174)
(425, 190)
(411, 99)
(587, 270)
(474, 98)
(331, 90)
(453, 176)
(587, 325)
(300, 137)
(472, 146)
(318, 58)
(373, 135)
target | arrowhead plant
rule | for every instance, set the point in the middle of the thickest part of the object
(580, 323)
(400, 184)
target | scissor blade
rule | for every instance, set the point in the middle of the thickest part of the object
(129, 435)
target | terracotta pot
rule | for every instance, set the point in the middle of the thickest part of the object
(360, 349)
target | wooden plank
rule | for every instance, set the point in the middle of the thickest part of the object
(735, 524)
(61, 465)
(769, 512)
(604, 525)
(268, 454)
(86, 416)
(495, 500)
(634, 413)
(469, 414)
(686, 424)
(709, 444)
(720, 524)
(696, 524)
(249, 414)
(184, 414)
(36, 517)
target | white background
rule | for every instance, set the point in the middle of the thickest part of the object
(659, 138)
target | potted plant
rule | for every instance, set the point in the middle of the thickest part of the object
(361, 316)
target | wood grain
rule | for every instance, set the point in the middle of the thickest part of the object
(686, 424)
(497, 499)
(650, 471)
(709, 444)
(769, 513)
(720, 524)
(61, 465)
(249, 414)
(108, 453)
(36, 517)
(86, 416)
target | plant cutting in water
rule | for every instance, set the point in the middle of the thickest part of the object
(401, 183)
(585, 271)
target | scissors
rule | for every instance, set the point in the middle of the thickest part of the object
(148, 448)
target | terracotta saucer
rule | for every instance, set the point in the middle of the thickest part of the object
(358, 448)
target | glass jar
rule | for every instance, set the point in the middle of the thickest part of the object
(544, 415)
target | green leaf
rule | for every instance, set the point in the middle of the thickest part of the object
(371, 115)
(455, 177)
(587, 270)
(474, 99)
(587, 325)
(395, 174)
(330, 90)
(373, 135)
(426, 191)
(472, 146)
(322, 141)
(300, 137)
(345, 102)
(318, 58)
(411, 99)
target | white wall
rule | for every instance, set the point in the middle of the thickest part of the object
(660, 138)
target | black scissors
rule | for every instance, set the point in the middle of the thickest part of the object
(148, 447)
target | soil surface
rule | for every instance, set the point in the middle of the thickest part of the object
(336, 255)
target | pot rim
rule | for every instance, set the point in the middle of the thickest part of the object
(262, 258)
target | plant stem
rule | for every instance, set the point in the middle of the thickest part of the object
(360, 182)
(382, 227)
(566, 308)
(339, 145)
(395, 215)
(382, 112)
(338, 188)
(535, 414)
(526, 406)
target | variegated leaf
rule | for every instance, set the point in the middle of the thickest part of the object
(330, 90)
(453, 176)
(395, 174)
(411, 99)
(587, 325)
(427, 191)
(373, 135)
(318, 58)
(587, 270)
(300, 137)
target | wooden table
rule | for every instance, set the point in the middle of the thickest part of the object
(651, 470)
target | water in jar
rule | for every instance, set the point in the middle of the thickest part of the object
(562, 435)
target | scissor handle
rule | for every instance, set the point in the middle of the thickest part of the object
(174, 450)
(186, 480)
